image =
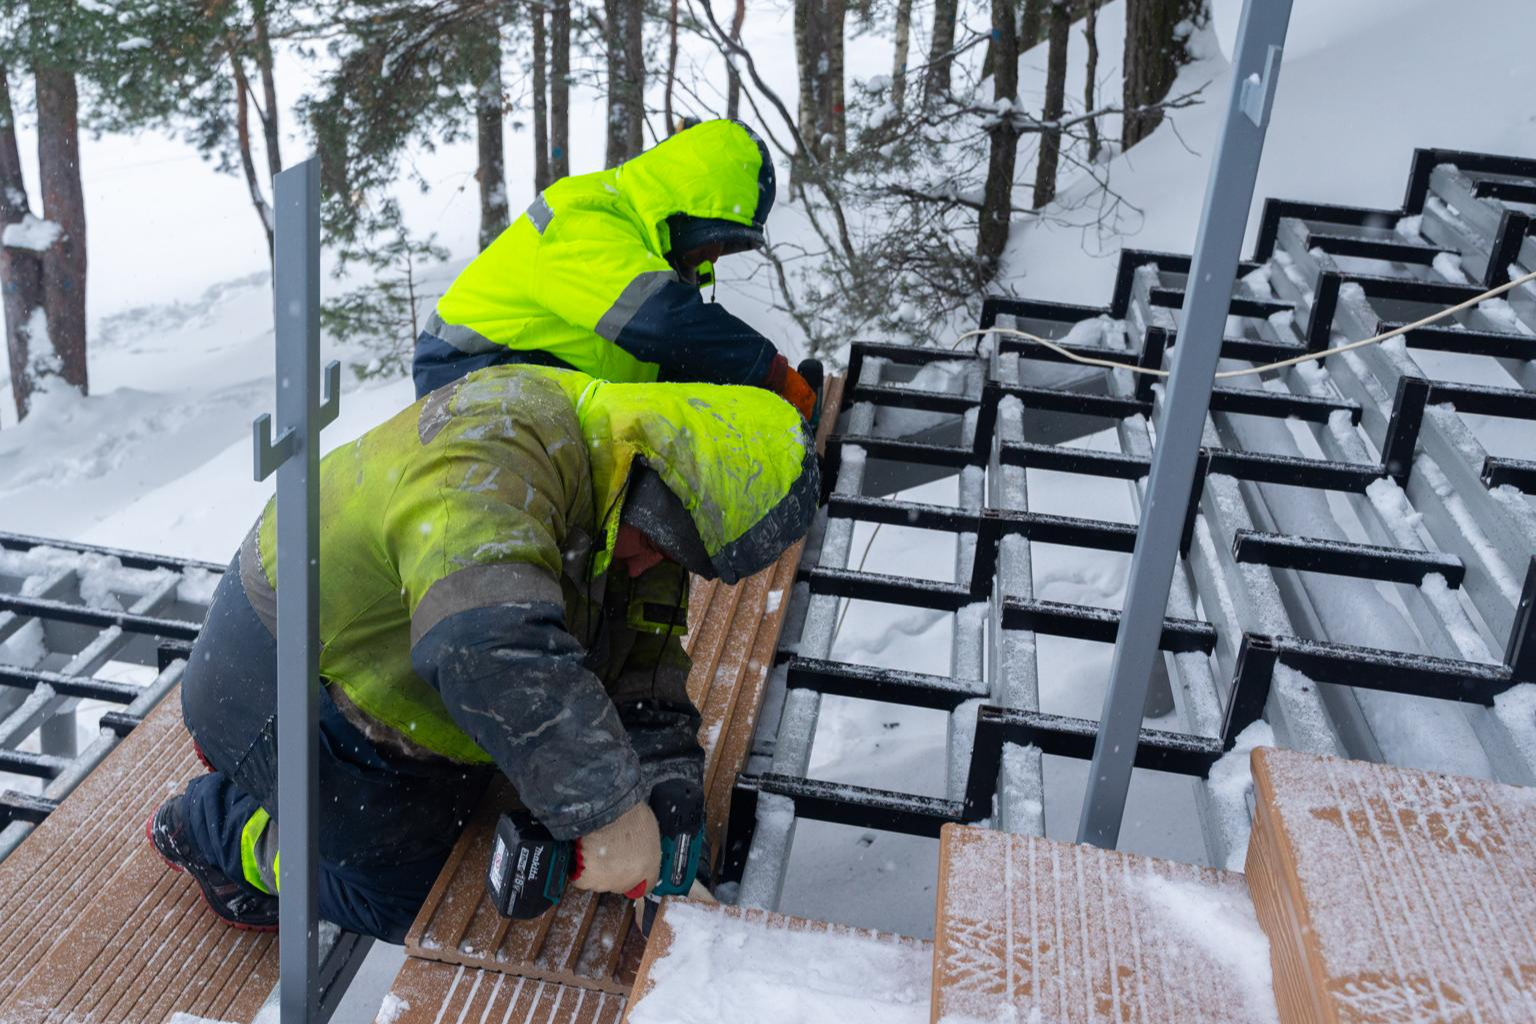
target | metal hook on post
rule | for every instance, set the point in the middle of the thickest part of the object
(295, 457)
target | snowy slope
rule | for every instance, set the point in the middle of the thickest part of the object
(1362, 84)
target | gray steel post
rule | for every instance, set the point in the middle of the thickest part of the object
(295, 456)
(1228, 194)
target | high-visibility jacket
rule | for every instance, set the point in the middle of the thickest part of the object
(581, 278)
(466, 610)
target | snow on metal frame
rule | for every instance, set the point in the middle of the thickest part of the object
(1495, 533)
(89, 580)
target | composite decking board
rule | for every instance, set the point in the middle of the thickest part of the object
(1391, 894)
(587, 941)
(1029, 928)
(427, 992)
(659, 946)
(98, 929)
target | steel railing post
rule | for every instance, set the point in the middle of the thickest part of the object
(1228, 194)
(295, 456)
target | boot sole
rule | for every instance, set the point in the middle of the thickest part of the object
(149, 833)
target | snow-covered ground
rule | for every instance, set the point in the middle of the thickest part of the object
(158, 457)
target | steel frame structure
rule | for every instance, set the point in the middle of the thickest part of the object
(1430, 516)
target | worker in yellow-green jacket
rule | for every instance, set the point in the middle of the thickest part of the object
(603, 273)
(503, 578)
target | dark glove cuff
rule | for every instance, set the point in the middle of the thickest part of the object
(778, 372)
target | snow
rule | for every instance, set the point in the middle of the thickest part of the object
(391, 1008)
(720, 967)
(31, 233)
(1221, 923)
(1231, 785)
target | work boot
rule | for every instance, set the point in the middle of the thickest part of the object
(238, 903)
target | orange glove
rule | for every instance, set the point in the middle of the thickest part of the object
(790, 386)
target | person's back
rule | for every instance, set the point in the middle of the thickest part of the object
(601, 274)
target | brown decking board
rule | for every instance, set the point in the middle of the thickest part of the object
(93, 925)
(1032, 929)
(732, 638)
(427, 992)
(659, 946)
(1393, 895)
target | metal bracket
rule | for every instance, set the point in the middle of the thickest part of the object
(330, 403)
(1258, 94)
(267, 454)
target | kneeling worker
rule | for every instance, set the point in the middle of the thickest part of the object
(503, 579)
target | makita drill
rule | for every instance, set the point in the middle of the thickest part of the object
(529, 868)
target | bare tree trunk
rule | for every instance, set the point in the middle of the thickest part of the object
(997, 197)
(1055, 103)
(21, 268)
(540, 100)
(58, 164)
(819, 53)
(1091, 33)
(941, 55)
(268, 110)
(899, 62)
(1032, 24)
(243, 143)
(733, 86)
(560, 90)
(1155, 34)
(491, 145)
(626, 79)
(671, 68)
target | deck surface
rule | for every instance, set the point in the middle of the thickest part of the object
(1032, 929)
(95, 928)
(1392, 895)
(426, 992)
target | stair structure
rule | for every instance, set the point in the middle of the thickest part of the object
(1358, 568)
(1031, 929)
(1358, 571)
(1393, 895)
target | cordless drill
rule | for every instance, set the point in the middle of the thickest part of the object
(530, 869)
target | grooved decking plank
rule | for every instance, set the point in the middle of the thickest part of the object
(733, 635)
(1391, 894)
(97, 928)
(426, 992)
(836, 962)
(1029, 929)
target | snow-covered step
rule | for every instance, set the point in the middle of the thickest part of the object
(1031, 929)
(1393, 895)
(707, 963)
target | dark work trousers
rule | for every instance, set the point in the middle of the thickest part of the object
(387, 823)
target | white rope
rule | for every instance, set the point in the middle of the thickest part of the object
(1281, 364)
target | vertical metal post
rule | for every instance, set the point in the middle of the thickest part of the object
(1228, 194)
(295, 456)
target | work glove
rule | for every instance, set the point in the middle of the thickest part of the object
(622, 856)
(790, 386)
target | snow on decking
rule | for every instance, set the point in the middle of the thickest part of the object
(1035, 930)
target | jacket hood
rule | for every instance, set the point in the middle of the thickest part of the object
(739, 459)
(717, 171)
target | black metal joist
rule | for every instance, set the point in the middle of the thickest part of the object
(1340, 231)
(1343, 558)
